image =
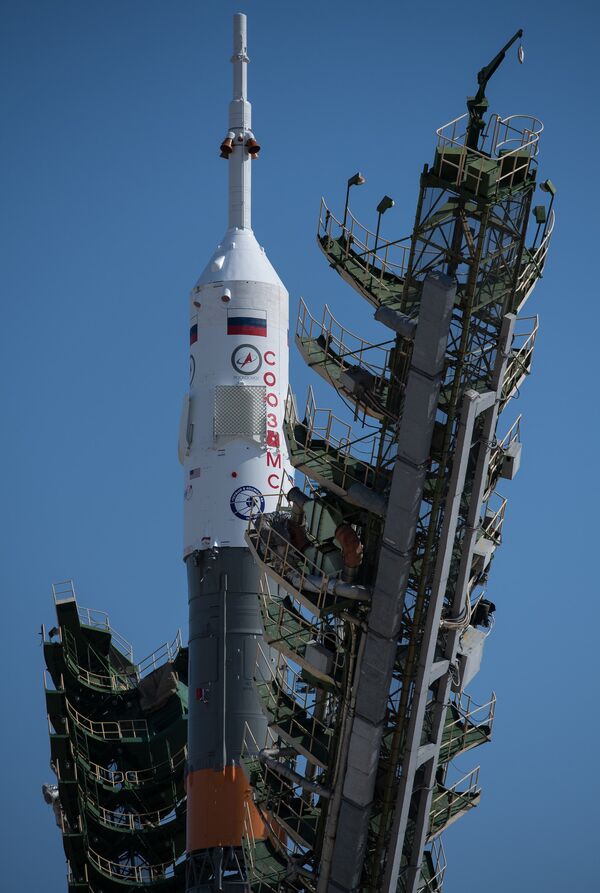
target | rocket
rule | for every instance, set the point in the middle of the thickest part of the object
(232, 450)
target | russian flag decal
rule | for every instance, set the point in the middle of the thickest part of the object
(194, 334)
(247, 322)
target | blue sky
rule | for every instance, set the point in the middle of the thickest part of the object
(114, 197)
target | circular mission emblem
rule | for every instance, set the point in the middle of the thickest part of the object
(246, 359)
(246, 502)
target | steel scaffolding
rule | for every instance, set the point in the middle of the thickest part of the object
(374, 572)
(118, 749)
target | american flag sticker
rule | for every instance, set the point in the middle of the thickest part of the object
(247, 322)
(195, 473)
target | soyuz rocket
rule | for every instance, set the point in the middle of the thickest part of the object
(232, 450)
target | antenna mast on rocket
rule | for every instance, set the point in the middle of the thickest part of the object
(240, 146)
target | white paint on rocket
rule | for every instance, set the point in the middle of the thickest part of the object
(230, 440)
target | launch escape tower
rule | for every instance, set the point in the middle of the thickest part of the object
(374, 572)
(371, 575)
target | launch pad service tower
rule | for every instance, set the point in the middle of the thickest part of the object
(231, 448)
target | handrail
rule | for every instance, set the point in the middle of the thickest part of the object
(133, 821)
(163, 654)
(519, 359)
(471, 715)
(288, 681)
(325, 632)
(112, 681)
(127, 873)
(380, 260)
(294, 801)
(513, 435)
(117, 778)
(322, 425)
(113, 730)
(345, 344)
(491, 524)
(279, 680)
(281, 842)
(361, 241)
(499, 133)
(100, 620)
(526, 137)
(438, 857)
(533, 264)
(277, 554)
(115, 680)
(470, 779)
(63, 591)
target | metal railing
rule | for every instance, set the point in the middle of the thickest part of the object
(64, 591)
(289, 804)
(442, 802)
(321, 424)
(269, 882)
(165, 653)
(493, 518)
(132, 821)
(340, 345)
(297, 574)
(100, 620)
(533, 265)
(438, 858)
(280, 842)
(117, 778)
(519, 363)
(520, 132)
(128, 872)
(113, 730)
(513, 435)
(249, 838)
(111, 680)
(292, 629)
(376, 258)
(512, 142)
(287, 697)
(471, 715)
(64, 824)
(354, 459)
(114, 680)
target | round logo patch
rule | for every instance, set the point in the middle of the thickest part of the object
(246, 502)
(246, 359)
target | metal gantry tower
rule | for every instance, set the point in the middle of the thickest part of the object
(374, 572)
(118, 732)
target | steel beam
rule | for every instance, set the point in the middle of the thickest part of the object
(347, 826)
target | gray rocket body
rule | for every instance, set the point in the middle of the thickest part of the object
(225, 628)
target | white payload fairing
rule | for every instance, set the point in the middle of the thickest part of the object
(232, 449)
(230, 438)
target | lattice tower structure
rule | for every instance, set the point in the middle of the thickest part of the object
(373, 573)
(118, 732)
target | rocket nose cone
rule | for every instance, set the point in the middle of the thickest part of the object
(239, 257)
